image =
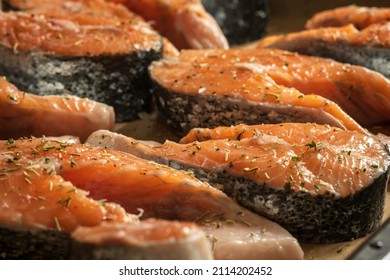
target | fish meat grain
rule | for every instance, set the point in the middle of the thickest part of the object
(150, 239)
(363, 94)
(185, 23)
(194, 94)
(164, 193)
(25, 115)
(321, 183)
(79, 49)
(45, 216)
(61, 172)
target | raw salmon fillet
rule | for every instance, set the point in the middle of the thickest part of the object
(292, 173)
(25, 115)
(194, 93)
(185, 23)
(39, 204)
(361, 93)
(140, 187)
(90, 49)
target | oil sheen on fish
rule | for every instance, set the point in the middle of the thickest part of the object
(138, 185)
(185, 23)
(25, 115)
(361, 93)
(45, 216)
(321, 183)
(196, 94)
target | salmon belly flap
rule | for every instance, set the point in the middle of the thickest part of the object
(184, 23)
(321, 183)
(24, 115)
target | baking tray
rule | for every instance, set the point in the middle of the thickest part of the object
(377, 247)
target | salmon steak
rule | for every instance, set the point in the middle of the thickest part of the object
(140, 187)
(360, 17)
(321, 183)
(25, 115)
(101, 53)
(210, 93)
(369, 47)
(44, 216)
(344, 84)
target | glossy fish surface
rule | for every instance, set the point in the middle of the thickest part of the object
(140, 187)
(292, 173)
(361, 93)
(212, 93)
(24, 115)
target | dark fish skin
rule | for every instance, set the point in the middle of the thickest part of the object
(33, 244)
(251, 17)
(110, 82)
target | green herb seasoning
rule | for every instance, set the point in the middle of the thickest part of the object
(296, 159)
(47, 148)
(64, 202)
(73, 163)
(312, 145)
(287, 186)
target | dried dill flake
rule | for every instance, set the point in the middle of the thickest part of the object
(312, 145)
(296, 159)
